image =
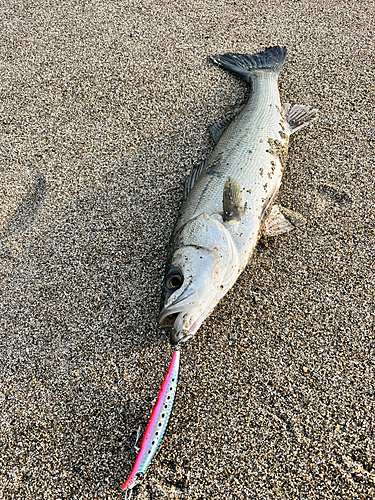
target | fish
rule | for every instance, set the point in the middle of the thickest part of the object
(229, 197)
(157, 424)
(228, 204)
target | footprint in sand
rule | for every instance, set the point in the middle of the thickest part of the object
(330, 197)
(21, 196)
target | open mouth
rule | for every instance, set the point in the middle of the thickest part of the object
(178, 316)
(182, 304)
(182, 327)
(179, 321)
(168, 321)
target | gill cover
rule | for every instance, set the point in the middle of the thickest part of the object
(202, 266)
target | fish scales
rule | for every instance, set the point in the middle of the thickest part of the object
(243, 153)
(229, 198)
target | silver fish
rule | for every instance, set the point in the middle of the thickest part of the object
(228, 199)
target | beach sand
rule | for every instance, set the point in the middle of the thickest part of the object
(104, 109)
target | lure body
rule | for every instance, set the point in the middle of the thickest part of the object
(157, 424)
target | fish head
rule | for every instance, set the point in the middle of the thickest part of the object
(197, 276)
(189, 288)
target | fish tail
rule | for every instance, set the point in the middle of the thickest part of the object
(243, 65)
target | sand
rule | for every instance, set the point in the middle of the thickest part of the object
(104, 109)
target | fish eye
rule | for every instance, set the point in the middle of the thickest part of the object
(174, 281)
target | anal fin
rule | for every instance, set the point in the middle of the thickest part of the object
(232, 200)
(282, 220)
(298, 116)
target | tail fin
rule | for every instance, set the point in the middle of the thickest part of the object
(242, 64)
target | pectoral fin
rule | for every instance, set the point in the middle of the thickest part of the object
(282, 220)
(232, 200)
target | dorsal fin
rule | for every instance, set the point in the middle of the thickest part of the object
(217, 129)
(192, 177)
(232, 200)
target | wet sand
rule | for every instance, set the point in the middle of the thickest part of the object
(104, 109)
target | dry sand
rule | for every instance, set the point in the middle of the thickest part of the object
(104, 109)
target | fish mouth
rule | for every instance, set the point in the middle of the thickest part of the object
(178, 335)
(179, 315)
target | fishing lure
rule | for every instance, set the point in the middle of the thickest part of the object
(157, 424)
